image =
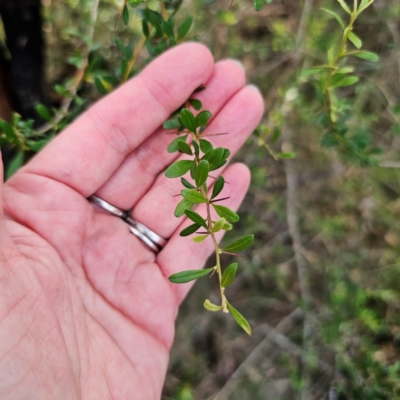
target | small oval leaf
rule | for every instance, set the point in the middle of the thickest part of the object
(203, 118)
(178, 168)
(355, 40)
(367, 55)
(219, 225)
(189, 230)
(187, 184)
(227, 213)
(173, 146)
(229, 275)
(199, 239)
(241, 244)
(193, 196)
(171, 124)
(184, 148)
(241, 321)
(218, 186)
(188, 120)
(210, 306)
(201, 174)
(196, 218)
(206, 146)
(181, 207)
(191, 275)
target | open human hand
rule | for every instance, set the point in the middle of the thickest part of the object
(86, 310)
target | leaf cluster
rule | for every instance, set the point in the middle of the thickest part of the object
(195, 173)
(335, 76)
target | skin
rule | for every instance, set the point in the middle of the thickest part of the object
(86, 310)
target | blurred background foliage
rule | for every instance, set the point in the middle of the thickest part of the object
(320, 286)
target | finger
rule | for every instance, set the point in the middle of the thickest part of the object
(181, 253)
(148, 160)
(88, 152)
(239, 118)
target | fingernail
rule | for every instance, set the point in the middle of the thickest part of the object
(240, 64)
(254, 87)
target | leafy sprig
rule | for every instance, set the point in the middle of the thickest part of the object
(191, 140)
(334, 75)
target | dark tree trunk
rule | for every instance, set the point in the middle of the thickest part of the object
(24, 40)
(21, 76)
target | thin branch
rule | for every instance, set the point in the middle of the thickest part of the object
(78, 76)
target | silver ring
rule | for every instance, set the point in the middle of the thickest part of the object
(154, 241)
(108, 207)
(144, 238)
(154, 237)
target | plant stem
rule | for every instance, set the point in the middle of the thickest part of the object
(216, 246)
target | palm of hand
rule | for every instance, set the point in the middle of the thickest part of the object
(86, 310)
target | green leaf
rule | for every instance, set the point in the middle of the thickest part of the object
(286, 155)
(215, 157)
(241, 244)
(218, 186)
(188, 120)
(336, 16)
(184, 28)
(171, 124)
(193, 196)
(182, 206)
(229, 275)
(348, 81)
(227, 213)
(167, 29)
(227, 226)
(9, 131)
(44, 112)
(210, 306)
(187, 184)
(258, 4)
(126, 51)
(201, 174)
(344, 6)
(145, 28)
(62, 91)
(206, 146)
(173, 146)
(345, 70)
(363, 5)
(187, 276)
(155, 19)
(183, 147)
(355, 39)
(193, 170)
(196, 104)
(203, 118)
(178, 168)
(366, 55)
(219, 225)
(196, 148)
(309, 71)
(275, 134)
(15, 164)
(125, 15)
(100, 86)
(196, 218)
(199, 239)
(37, 145)
(189, 229)
(241, 321)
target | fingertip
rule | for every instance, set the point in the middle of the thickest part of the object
(240, 176)
(192, 61)
(234, 69)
